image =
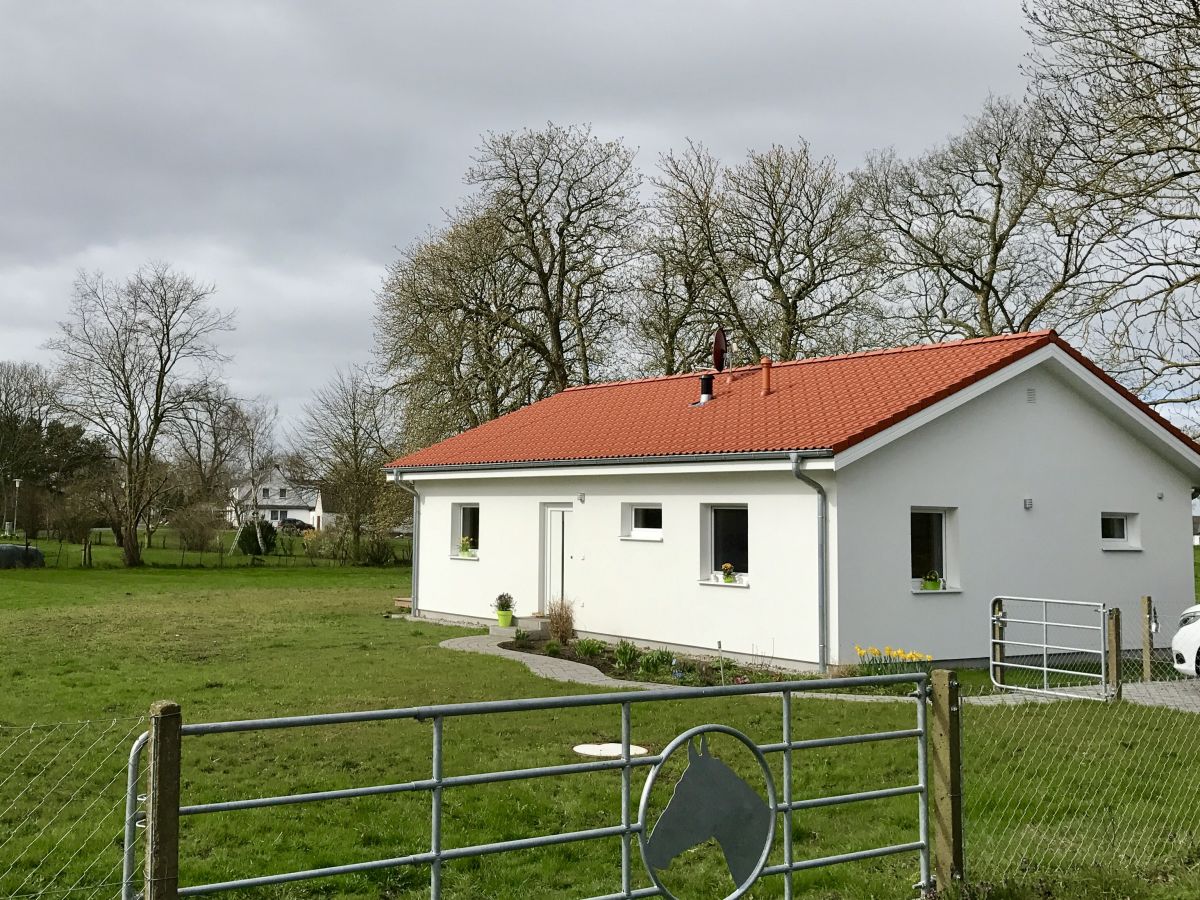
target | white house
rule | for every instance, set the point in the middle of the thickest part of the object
(1010, 465)
(278, 500)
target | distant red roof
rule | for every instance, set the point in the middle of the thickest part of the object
(830, 403)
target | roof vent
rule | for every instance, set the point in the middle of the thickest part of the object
(766, 375)
(706, 389)
(1031, 395)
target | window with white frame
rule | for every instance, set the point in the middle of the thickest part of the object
(932, 562)
(283, 493)
(274, 515)
(1119, 531)
(266, 493)
(464, 532)
(642, 521)
(728, 537)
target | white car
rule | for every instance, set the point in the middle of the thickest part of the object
(1185, 646)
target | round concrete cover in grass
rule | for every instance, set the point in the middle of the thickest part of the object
(608, 750)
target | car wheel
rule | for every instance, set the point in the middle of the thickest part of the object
(1197, 666)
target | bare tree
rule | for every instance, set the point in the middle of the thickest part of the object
(981, 239)
(207, 440)
(567, 203)
(444, 331)
(134, 357)
(344, 438)
(1122, 78)
(773, 248)
(256, 457)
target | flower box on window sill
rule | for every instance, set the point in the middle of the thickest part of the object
(470, 555)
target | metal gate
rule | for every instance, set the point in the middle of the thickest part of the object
(774, 810)
(1035, 639)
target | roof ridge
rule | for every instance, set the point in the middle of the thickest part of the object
(883, 351)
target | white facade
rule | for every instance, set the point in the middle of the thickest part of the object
(1043, 430)
(277, 501)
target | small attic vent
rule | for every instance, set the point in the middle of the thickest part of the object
(1031, 395)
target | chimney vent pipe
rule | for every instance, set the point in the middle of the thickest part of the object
(766, 375)
(706, 388)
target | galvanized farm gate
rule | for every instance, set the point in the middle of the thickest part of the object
(158, 814)
(1056, 648)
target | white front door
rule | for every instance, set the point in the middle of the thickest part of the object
(556, 555)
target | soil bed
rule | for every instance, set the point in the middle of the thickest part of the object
(665, 667)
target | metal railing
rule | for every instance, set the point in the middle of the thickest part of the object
(633, 817)
(1040, 618)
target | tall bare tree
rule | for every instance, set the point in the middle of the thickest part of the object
(980, 236)
(567, 203)
(134, 356)
(445, 334)
(207, 441)
(1122, 78)
(344, 438)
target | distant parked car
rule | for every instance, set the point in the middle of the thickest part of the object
(1185, 646)
(294, 525)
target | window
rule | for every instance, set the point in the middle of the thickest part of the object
(464, 537)
(933, 549)
(641, 521)
(266, 493)
(928, 531)
(283, 493)
(1119, 531)
(274, 515)
(730, 537)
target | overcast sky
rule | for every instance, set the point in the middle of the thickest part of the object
(285, 150)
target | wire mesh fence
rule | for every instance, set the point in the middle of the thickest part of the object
(62, 807)
(1065, 789)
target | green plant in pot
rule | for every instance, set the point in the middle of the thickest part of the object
(932, 581)
(728, 575)
(464, 546)
(504, 610)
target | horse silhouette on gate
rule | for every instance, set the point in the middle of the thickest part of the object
(711, 801)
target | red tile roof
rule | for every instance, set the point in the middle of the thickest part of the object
(830, 403)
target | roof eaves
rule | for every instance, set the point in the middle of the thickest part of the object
(757, 456)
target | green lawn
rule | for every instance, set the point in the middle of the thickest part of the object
(99, 646)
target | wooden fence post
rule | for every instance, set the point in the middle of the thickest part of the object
(946, 763)
(997, 656)
(162, 801)
(1114, 654)
(1147, 639)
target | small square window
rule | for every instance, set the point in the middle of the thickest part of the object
(464, 536)
(274, 515)
(266, 493)
(1119, 531)
(1113, 528)
(283, 493)
(642, 521)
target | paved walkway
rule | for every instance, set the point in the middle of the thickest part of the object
(1181, 695)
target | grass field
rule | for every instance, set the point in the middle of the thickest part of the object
(99, 646)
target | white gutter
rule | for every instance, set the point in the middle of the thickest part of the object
(822, 564)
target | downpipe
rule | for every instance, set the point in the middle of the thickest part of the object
(416, 543)
(822, 562)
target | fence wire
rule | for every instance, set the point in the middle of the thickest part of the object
(62, 807)
(1066, 789)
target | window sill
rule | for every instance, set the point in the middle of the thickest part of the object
(723, 584)
(1120, 548)
(464, 558)
(643, 540)
(949, 590)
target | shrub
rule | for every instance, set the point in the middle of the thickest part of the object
(553, 648)
(503, 603)
(521, 637)
(376, 549)
(561, 616)
(197, 526)
(588, 648)
(656, 662)
(248, 538)
(627, 656)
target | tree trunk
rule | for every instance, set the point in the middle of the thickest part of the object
(131, 548)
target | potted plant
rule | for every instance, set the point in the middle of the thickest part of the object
(727, 574)
(504, 610)
(464, 546)
(932, 581)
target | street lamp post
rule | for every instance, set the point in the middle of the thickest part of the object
(16, 503)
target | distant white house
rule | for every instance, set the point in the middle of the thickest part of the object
(278, 500)
(832, 487)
